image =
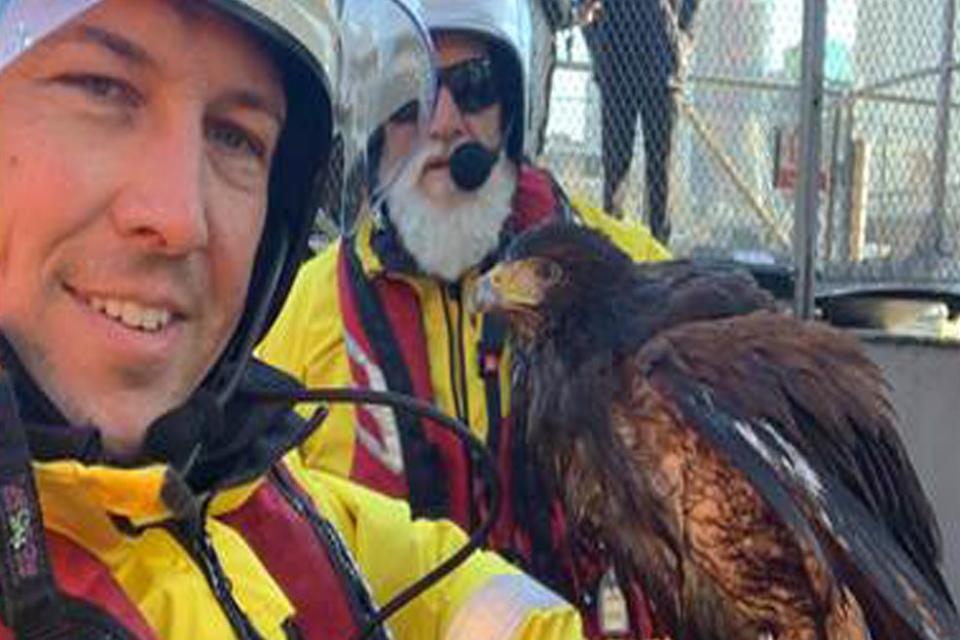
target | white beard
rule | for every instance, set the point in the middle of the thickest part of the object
(447, 241)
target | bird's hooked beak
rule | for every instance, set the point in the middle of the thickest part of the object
(508, 286)
(483, 294)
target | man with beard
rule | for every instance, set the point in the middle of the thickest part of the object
(395, 318)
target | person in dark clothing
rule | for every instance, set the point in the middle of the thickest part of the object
(639, 49)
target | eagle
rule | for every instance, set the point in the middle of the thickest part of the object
(743, 465)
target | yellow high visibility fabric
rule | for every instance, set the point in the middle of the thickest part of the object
(159, 577)
(307, 340)
(630, 235)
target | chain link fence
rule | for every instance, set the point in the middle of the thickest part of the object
(711, 88)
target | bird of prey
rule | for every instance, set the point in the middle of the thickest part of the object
(745, 466)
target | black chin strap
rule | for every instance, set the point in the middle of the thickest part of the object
(32, 606)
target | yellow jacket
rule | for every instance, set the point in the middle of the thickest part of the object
(111, 543)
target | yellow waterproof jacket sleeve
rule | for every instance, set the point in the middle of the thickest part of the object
(484, 598)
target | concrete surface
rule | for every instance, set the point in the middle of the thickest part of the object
(925, 375)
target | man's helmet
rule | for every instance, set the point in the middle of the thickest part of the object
(304, 38)
(505, 25)
(387, 69)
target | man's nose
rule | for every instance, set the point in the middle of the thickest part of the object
(447, 122)
(162, 204)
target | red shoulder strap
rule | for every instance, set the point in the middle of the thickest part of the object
(319, 579)
(388, 350)
(377, 460)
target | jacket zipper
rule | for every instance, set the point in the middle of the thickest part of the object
(461, 394)
(198, 545)
(458, 381)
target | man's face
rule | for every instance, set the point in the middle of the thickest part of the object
(446, 230)
(450, 127)
(135, 150)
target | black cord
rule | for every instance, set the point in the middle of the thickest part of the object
(462, 431)
(462, 381)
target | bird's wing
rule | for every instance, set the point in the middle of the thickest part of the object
(698, 290)
(827, 399)
(833, 515)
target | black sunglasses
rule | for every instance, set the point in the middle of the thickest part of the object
(471, 83)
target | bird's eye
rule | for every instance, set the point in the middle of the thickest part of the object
(548, 271)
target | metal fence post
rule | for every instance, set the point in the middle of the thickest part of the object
(945, 245)
(811, 113)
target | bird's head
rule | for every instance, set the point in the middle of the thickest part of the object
(556, 282)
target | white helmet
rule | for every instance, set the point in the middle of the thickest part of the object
(505, 24)
(303, 36)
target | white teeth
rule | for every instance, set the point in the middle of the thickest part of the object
(114, 308)
(132, 314)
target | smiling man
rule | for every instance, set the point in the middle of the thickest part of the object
(158, 163)
(123, 275)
